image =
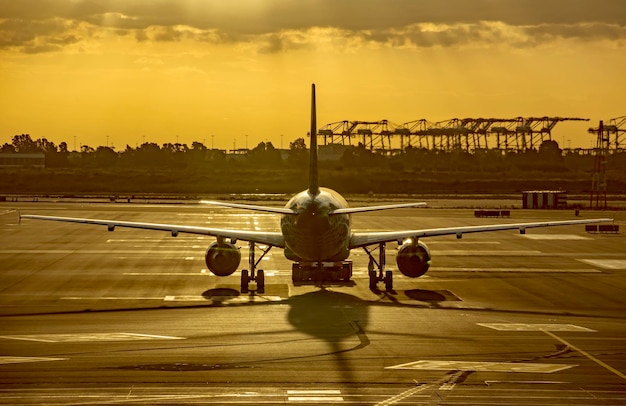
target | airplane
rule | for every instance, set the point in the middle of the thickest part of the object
(316, 236)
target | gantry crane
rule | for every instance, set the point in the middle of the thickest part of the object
(468, 134)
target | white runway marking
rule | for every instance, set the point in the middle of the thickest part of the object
(400, 397)
(555, 237)
(586, 354)
(229, 299)
(483, 366)
(112, 298)
(606, 263)
(462, 242)
(317, 396)
(96, 252)
(536, 327)
(224, 299)
(490, 253)
(20, 360)
(548, 328)
(226, 215)
(519, 270)
(88, 337)
(156, 239)
(165, 273)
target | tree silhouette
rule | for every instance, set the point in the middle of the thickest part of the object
(298, 153)
(264, 155)
(105, 157)
(25, 145)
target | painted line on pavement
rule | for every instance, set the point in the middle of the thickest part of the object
(401, 396)
(165, 274)
(436, 365)
(606, 263)
(21, 360)
(88, 337)
(555, 237)
(586, 354)
(490, 253)
(221, 299)
(319, 396)
(516, 270)
(536, 327)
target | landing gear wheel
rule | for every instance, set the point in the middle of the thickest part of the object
(373, 280)
(389, 280)
(260, 281)
(244, 281)
(296, 273)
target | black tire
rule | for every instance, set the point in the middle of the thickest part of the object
(260, 281)
(373, 280)
(389, 280)
(244, 281)
(296, 275)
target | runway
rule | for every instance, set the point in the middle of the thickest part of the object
(133, 317)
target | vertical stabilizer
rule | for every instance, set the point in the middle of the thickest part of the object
(314, 186)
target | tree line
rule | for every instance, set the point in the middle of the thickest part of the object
(151, 155)
(547, 158)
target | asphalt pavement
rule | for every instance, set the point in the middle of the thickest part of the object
(133, 317)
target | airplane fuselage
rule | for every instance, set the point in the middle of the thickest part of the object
(312, 234)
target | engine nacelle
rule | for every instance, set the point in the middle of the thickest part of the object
(222, 259)
(413, 258)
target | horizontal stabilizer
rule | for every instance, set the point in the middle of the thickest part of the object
(350, 210)
(267, 209)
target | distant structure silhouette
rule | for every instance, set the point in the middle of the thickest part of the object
(469, 134)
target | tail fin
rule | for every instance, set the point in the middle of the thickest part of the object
(314, 186)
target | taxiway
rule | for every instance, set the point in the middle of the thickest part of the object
(134, 317)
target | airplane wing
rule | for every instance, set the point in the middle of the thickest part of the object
(362, 239)
(268, 209)
(275, 239)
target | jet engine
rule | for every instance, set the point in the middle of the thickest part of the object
(413, 258)
(222, 258)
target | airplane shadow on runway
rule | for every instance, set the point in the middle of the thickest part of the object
(338, 319)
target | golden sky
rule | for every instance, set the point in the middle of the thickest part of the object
(218, 70)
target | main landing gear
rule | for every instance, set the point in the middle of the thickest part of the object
(254, 280)
(379, 274)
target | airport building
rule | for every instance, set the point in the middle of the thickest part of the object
(17, 160)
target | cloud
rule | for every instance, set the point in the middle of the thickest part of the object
(489, 33)
(265, 16)
(582, 31)
(179, 33)
(35, 36)
(273, 26)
